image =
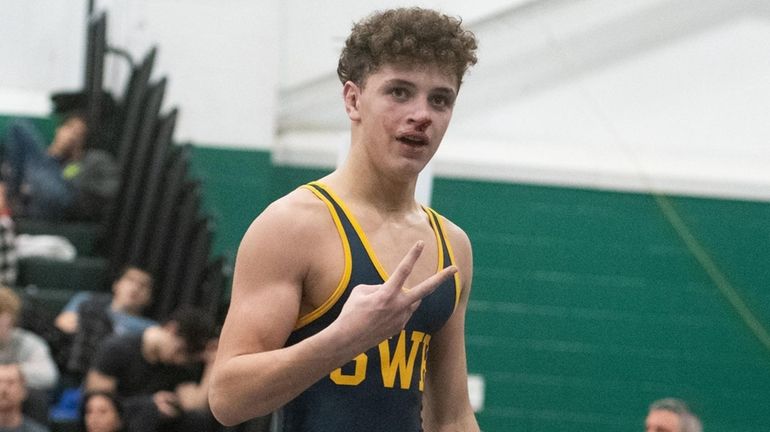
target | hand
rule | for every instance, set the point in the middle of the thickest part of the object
(167, 403)
(374, 313)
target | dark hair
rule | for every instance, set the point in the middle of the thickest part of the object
(406, 36)
(195, 326)
(127, 267)
(113, 398)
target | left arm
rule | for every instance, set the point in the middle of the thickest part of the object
(446, 405)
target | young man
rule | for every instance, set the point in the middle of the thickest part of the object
(349, 297)
(66, 180)
(91, 317)
(154, 373)
(131, 294)
(13, 392)
(671, 415)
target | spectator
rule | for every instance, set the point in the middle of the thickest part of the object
(671, 415)
(64, 181)
(21, 346)
(131, 294)
(9, 265)
(13, 392)
(101, 412)
(91, 317)
(155, 373)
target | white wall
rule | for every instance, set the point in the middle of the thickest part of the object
(221, 59)
(41, 51)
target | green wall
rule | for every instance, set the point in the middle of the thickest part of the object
(586, 305)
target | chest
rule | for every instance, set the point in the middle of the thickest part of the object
(381, 244)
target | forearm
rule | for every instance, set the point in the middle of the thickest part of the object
(253, 385)
(464, 423)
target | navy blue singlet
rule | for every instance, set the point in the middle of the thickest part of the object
(381, 389)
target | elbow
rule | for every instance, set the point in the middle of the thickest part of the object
(231, 410)
(222, 408)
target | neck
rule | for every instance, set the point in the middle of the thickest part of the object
(10, 419)
(359, 179)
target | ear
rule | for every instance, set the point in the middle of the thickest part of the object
(351, 93)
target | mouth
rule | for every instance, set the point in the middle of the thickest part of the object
(413, 139)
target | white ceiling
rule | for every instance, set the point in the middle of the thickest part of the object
(668, 95)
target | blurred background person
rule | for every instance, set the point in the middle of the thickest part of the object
(13, 393)
(101, 412)
(671, 415)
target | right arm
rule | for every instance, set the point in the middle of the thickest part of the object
(67, 320)
(254, 374)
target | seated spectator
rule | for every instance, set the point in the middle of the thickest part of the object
(64, 181)
(13, 392)
(671, 415)
(157, 373)
(101, 412)
(9, 266)
(131, 294)
(91, 317)
(21, 346)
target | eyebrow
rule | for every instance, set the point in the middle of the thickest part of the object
(400, 82)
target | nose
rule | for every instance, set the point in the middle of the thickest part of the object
(420, 115)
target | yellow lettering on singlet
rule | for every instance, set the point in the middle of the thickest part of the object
(359, 374)
(399, 363)
(424, 366)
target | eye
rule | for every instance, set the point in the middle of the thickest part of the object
(440, 101)
(399, 93)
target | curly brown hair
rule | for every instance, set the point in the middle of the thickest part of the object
(408, 37)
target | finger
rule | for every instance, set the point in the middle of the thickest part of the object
(429, 285)
(405, 267)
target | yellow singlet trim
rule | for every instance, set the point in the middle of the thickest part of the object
(458, 281)
(365, 240)
(315, 314)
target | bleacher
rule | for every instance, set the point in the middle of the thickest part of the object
(156, 221)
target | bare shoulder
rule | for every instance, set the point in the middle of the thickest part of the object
(270, 267)
(284, 226)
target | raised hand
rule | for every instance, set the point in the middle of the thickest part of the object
(376, 312)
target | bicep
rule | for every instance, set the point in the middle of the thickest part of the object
(266, 293)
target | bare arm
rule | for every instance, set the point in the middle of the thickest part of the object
(194, 395)
(446, 406)
(253, 373)
(67, 321)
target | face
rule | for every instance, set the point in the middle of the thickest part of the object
(133, 291)
(70, 137)
(661, 421)
(12, 389)
(173, 350)
(101, 415)
(400, 115)
(7, 323)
